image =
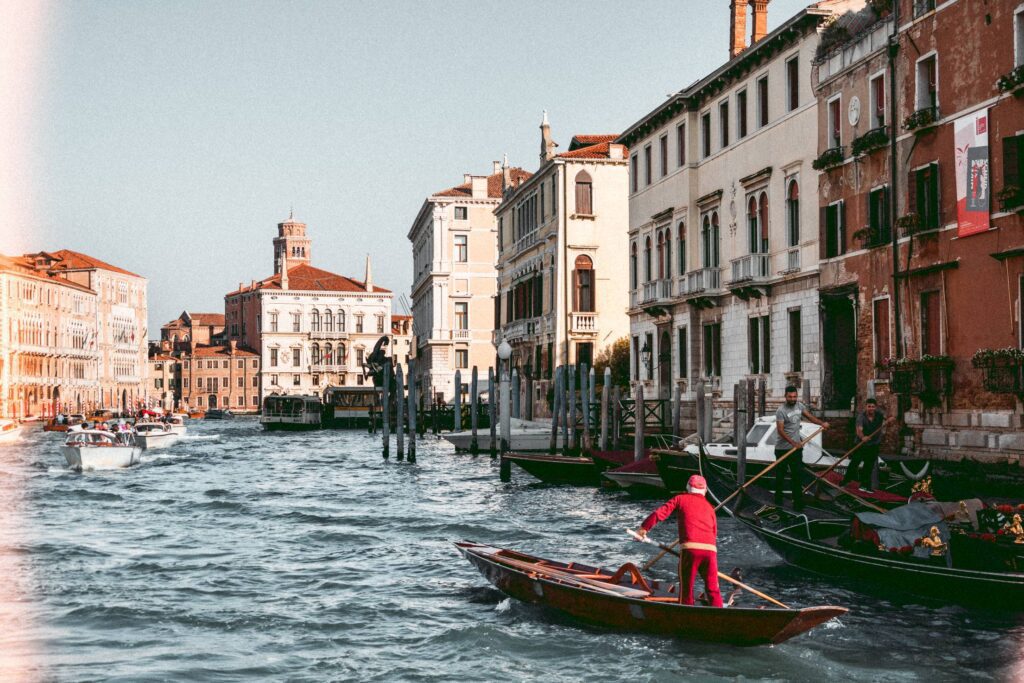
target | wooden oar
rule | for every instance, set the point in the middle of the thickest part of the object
(766, 470)
(845, 456)
(721, 575)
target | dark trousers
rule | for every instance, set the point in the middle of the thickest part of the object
(862, 465)
(794, 464)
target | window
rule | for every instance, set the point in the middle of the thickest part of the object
(713, 350)
(315, 353)
(705, 134)
(240, 365)
(273, 380)
(878, 216)
(296, 322)
(922, 7)
(314, 321)
(647, 165)
(924, 196)
(663, 152)
(296, 380)
(543, 204)
(793, 214)
(723, 123)
(296, 356)
(760, 345)
(795, 341)
(461, 249)
(255, 381)
(461, 213)
(681, 144)
(273, 358)
(584, 191)
(668, 253)
(681, 247)
(931, 324)
(741, 114)
(461, 315)
(835, 130)
(793, 83)
(636, 358)
(633, 275)
(880, 319)
(927, 84)
(647, 260)
(661, 254)
(762, 102)
(241, 382)
(877, 101)
(633, 177)
(380, 323)
(273, 322)
(710, 245)
(1018, 37)
(359, 323)
(1020, 311)
(359, 358)
(683, 365)
(255, 400)
(224, 364)
(649, 345)
(212, 383)
(834, 219)
(461, 359)
(554, 196)
(584, 284)
(341, 321)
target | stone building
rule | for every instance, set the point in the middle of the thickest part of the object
(49, 358)
(202, 328)
(947, 206)
(562, 274)
(723, 238)
(163, 380)
(454, 242)
(401, 338)
(222, 376)
(310, 327)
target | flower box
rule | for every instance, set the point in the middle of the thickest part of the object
(935, 378)
(922, 120)
(1003, 369)
(1012, 82)
(874, 139)
(831, 157)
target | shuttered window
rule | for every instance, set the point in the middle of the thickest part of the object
(931, 324)
(584, 194)
(924, 196)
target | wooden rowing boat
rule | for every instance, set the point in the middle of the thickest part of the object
(577, 470)
(626, 600)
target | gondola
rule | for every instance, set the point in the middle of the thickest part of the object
(975, 571)
(639, 478)
(625, 600)
(577, 470)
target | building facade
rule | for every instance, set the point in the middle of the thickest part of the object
(923, 265)
(310, 328)
(221, 376)
(49, 359)
(202, 328)
(401, 338)
(562, 274)
(723, 243)
(163, 380)
(454, 242)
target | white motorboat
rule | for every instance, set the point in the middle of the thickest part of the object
(92, 449)
(10, 431)
(524, 435)
(151, 435)
(177, 424)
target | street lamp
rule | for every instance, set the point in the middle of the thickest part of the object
(504, 353)
(645, 355)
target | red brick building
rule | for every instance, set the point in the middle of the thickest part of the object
(223, 376)
(923, 239)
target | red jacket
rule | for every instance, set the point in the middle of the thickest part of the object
(697, 521)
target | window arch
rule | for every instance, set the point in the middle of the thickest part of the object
(341, 354)
(681, 247)
(647, 259)
(317, 358)
(753, 231)
(584, 281)
(314, 321)
(341, 321)
(328, 354)
(633, 274)
(793, 213)
(328, 323)
(668, 252)
(763, 221)
(584, 194)
(661, 255)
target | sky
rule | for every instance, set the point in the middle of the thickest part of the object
(170, 138)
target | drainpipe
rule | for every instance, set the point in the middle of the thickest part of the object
(561, 168)
(892, 51)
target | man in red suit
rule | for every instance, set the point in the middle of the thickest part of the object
(698, 534)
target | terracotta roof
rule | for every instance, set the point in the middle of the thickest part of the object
(25, 265)
(598, 151)
(215, 319)
(219, 351)
(162, 357)
(517, 175)
(305, 277)
(73, 260)
(588, 140)
(395, 316)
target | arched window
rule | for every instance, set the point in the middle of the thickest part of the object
(793, 213)
(647, 260)
(341, 321)
(668, 252)
(584, 279)
(661, 255)
(341, 354)
(752, 230)
(316, 354)
(328, 354)
(328, 323)
(681, 248)
(705, 242)
(716, 241)
(315, 321)
(763, 220)
(584, 194)
(633, 275)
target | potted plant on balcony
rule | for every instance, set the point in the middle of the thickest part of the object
(831, 157)
(1002, 368)
(935, 378)
(1011, 198)
(874, 139)
(922, 120)
(910, 224)
(902, 373)
(1012, 82)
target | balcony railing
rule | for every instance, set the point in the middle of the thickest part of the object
(657, 290)
(527, 240)
(519, 329)
(665, 288)
(583, 323)
(681, 289)
(634, 298)
(704, 280)
(460, 335)
(751, 267)
(650, 291)
(320, 334)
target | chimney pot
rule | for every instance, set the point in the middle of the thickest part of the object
(738, 21)
(759, 10)
(466, 177)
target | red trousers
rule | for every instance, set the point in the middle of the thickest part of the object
(692, 561)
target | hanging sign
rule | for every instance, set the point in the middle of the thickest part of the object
(970, 140)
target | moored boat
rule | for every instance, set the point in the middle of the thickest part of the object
(150, 435)
(91, 449)
(625, 599)
(639, 477)
(292, 413)
(524, 436)
(217, 414)
(578, 470)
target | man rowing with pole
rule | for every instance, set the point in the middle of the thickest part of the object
(787, 423)
(864, 463)
(698, 535)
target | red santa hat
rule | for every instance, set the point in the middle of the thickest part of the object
(697, 485)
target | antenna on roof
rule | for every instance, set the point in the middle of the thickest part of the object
(291, 212)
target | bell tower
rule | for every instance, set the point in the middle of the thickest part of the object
(291, 246)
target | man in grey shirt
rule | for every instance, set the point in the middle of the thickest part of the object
(787, 423)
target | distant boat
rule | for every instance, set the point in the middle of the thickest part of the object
(92, 449)
(10, 431)
(347, 407)
(291, 413)
(177, 424)
(217, 414)
(525, 435)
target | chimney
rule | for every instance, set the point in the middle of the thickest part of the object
(232, 346)
(496, 167)
(368, 280)
(466, 178)
(284, 273)
(547, 146)
(479, 186)
(616, 151)
(738, 37)
(506, 175)
(760, 12)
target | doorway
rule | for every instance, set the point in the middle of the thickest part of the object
(839, 342)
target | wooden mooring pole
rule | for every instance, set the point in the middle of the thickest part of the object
(385, 410)
(412, 398)
(400, 405)
(474, 404)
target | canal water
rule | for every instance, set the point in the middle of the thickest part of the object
(238, 555)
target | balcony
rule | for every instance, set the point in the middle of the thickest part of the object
(519, 329)
(460, 335)
(650, 292)
(793, 260)
(634, 298)
(751, 268)
(703, 287)
(525, 242)
(320, 334)
(583, 323)
(923, 120)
